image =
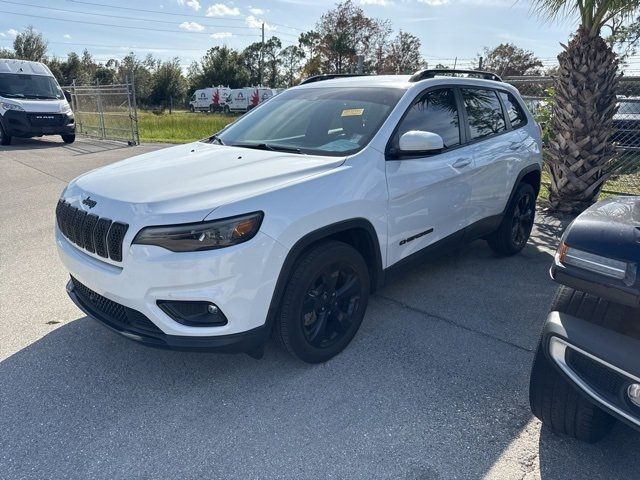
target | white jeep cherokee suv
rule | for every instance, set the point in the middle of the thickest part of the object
(287, 219)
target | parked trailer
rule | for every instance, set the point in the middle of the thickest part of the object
(209, 99)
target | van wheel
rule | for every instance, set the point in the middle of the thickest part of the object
(561, 407)
(227, 110)
(69, 138)
(4, 138)
(324, 302)
(514, 230)
(192, 108)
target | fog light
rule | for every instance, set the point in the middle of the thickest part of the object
(193, 313)
(633, 392)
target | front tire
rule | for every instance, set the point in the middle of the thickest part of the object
(69, 138)
(514, 230)
(4, 138)
(324, 302)
(561, 407)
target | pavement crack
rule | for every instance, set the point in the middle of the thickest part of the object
(452, 322)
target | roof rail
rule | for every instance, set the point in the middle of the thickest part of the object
(330, 76)
(443, 72)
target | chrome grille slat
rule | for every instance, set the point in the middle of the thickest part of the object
(95, 234)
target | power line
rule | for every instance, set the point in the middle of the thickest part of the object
(101, 45)
(122, 17)
(184, 15)
(131, 27)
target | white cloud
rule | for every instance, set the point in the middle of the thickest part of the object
(434, 3)
(221, 10)
(380, 3)
(12, 32)
(191, 26)
(194, 4)
(219, 35)
(254, 22)
(67, 36)
(257, 11)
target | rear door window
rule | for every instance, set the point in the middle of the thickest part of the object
(436, 112)
(514, 110)
(484, 112)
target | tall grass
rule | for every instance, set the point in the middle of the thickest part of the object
(179, 127)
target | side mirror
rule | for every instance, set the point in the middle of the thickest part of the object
(67, 95)
(417, 141)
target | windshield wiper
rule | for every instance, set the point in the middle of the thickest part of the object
(268, 146)
(11, 95)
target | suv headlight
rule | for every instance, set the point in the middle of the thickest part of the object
(195, 237)
(12, 106)
(606, 266)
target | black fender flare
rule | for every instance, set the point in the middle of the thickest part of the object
(524, 172)
(376, 271)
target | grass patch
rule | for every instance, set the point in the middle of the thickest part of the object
(180, 127)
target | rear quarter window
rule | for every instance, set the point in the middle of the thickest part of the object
(484, 112)
(514, 111)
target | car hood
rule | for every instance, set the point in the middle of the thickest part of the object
(39, 106)
(196, 177)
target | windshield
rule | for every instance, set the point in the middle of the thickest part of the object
(29, 86)
(320, 121)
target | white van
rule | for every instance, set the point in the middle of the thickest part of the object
(244, 99)
(209, 99)
(32, 104)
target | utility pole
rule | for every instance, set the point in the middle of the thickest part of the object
(261, 55)
(480, 64)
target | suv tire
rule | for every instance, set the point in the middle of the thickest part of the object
(69, 138)
(514, 230)
(4, 138)
(553, 399)
(324, 302)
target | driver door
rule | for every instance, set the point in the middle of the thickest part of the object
(429, 195)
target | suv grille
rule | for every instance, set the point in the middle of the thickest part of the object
(123, 317)
(96, 235)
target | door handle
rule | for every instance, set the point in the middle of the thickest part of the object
(461, 163)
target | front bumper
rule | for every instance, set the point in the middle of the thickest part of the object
(599, 362)
(27, 124)
(240, 280)
(135, 326)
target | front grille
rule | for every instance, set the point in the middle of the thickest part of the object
(605, 381)
(122, 317)
(90, 232)
(45, 119)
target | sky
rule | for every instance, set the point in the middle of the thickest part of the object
(187, 28)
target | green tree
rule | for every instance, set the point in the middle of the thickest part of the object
(220, 66)
(271, 61)
(251, 61)
(291, 59)
(168, 85)
(30, 45)
(580, 149)
(508, 60)
(404, 54)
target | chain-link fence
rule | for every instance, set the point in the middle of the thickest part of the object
(625, 168)
(107, 112)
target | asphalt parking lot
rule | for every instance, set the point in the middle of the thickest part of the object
(434, 385)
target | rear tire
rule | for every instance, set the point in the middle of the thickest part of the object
(514, 230)
(324, 302)
(560, 407)
(4, 138)
(69, 138)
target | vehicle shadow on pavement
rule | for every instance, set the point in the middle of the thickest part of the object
(413, 397)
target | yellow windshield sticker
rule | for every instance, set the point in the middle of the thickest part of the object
(352, 112)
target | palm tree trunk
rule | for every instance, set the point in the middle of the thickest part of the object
(582, 122)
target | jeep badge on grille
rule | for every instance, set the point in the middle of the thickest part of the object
(89, 203)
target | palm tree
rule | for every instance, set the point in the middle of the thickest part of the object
(585, 102)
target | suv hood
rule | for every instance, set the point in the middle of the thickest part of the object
(196, 177)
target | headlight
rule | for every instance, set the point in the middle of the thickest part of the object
(195, 237)
(65, 108)
(12, 106)
(608, 267)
